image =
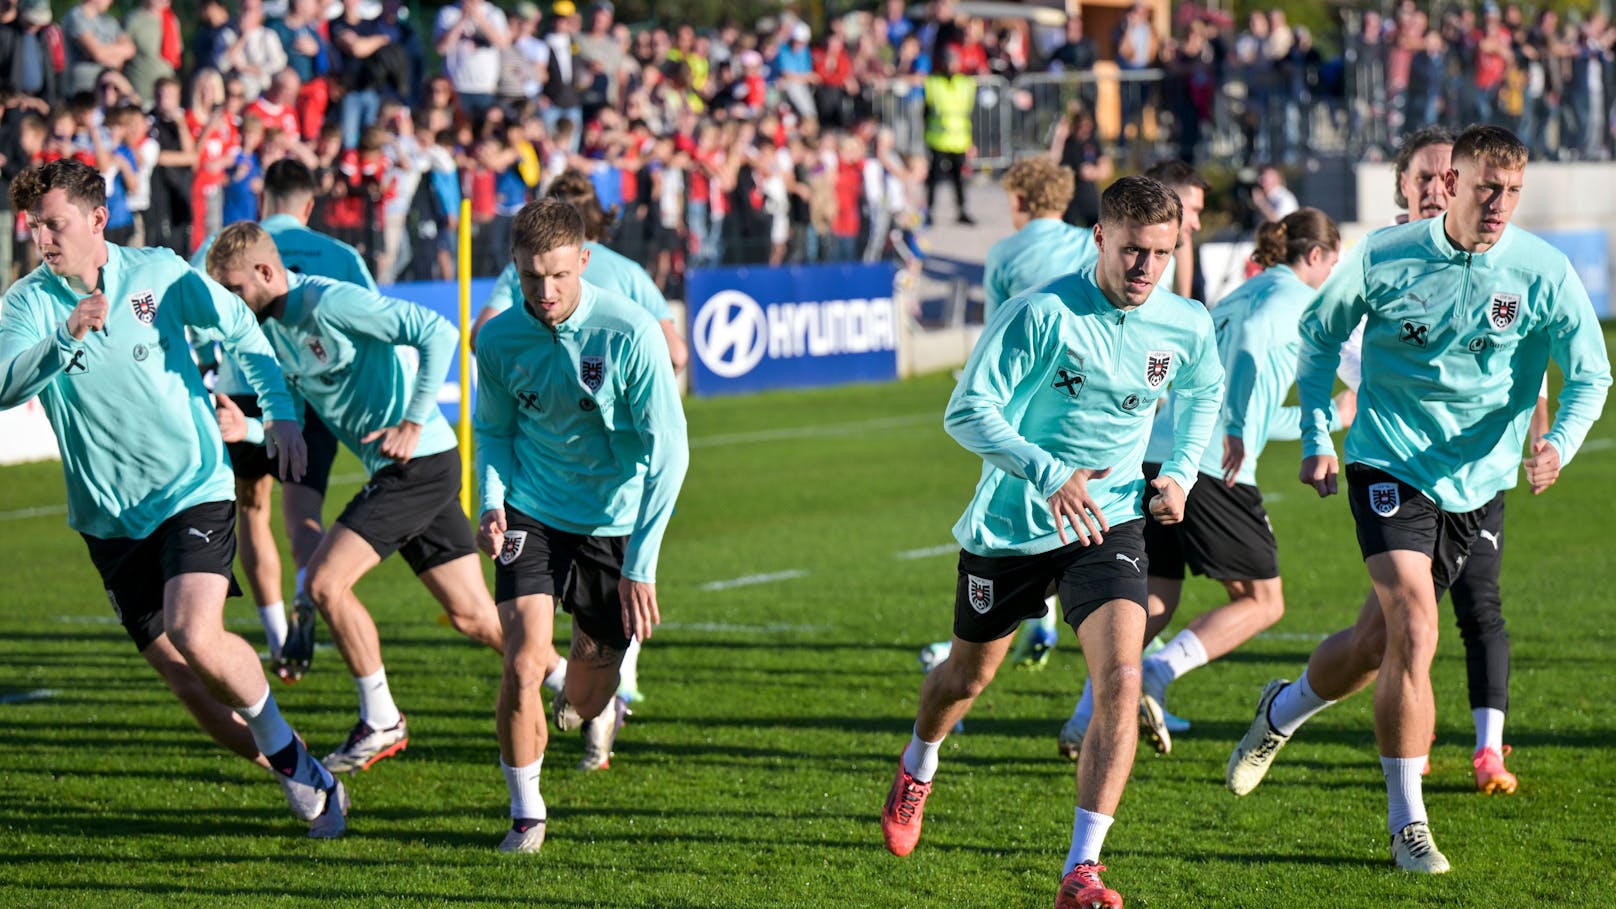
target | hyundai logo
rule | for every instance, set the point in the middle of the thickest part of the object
(731, 334)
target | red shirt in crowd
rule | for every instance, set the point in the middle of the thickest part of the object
(849, 187)
(276, 116)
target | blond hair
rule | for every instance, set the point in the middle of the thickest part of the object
(241, 243)
(1490, 145)
(1044, 186)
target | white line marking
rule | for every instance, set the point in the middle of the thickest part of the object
(23, 697)
(1291, 636)
(741, 629)
(809, 432)
(928, 552)
(1597, 445)
(1273, 497)
(752, 579)
(38, 512)
(88, 619)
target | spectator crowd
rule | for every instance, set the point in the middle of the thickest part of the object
(771, 143)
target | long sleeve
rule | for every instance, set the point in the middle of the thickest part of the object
(659, 418)
(1197, 403)
(493, 427)
(1326, 324)
(29, 358)
(1002, 361)
(1577, 344)
(209, 306)
(400, 323)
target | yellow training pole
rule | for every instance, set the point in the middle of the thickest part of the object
(465, 356)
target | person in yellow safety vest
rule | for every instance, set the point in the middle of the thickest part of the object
(950, 101)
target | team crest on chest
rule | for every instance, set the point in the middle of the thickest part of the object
(511, 550)
(1385, 499)
(1505, 309)
(592, 372)
(317, 348)
(144, 305)
(1157, 364)
(980, 592)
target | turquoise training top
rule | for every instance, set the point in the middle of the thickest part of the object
(304, 251)
(1063, 379)
(133, 422)
(1454, 349)
(337, 343)
(580, 426)
(607, 269)
(1039, 252)
(1258, 344)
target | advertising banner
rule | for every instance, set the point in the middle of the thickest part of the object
(759, 328)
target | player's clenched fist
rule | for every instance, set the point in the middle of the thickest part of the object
(90, 315)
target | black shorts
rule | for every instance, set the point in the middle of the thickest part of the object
(994, 594)
(1394, 515)
(414, 510)
(1225, 534)
(199, 540)
(581, 571)
(252, 461)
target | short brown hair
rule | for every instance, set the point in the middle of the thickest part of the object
(1141, 200)
(547, 224)
(1290, 239)
(1178, 175)
(1493, 145)
(1041, 183)
(238, 241)
(82, 183)
(575, 187)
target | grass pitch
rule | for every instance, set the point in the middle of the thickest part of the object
(754, 774)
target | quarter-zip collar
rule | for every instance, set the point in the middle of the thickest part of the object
(111, 273)
(574, 322)
(1439, 239)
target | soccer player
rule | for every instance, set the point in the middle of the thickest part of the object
(611, 271)
(1057, 399)
(1225, 533)
(336, 341)
(1464, 312)
(148, 483)
(581, 450)
(288, 204)
(1421, 169)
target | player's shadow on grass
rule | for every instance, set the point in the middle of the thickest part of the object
(1250, 858)
(190, 891)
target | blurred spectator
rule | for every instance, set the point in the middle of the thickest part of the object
(95, 41)
(470, 35)
(1271, 197)
(1076, 146)
(145, 26)
(256, 55)
(371, 64)
(561, 81)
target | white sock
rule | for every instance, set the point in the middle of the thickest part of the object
(1085, 704)
(376, 707)
(1405, 803)
(920, 758)
(270, 731)
(1051, 619)
(1183, 653)
(1088, 835)
(300, 588)
(628, 672)
(557, 679)
(523, 783)
(1295, 703)
(273, 618)
(1489, 728)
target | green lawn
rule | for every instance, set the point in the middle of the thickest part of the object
(755, 773)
